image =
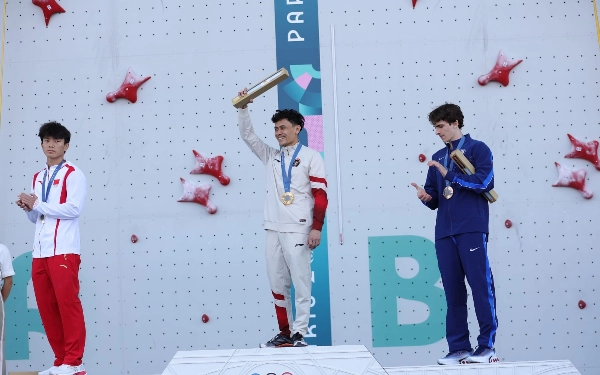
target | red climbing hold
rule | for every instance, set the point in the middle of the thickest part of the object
(573, 179)
(197, 194)
(500, 71)
(128, 89)
(587, 151)
(211, 166)
(49, 7)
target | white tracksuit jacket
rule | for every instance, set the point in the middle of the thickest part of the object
(59, 234)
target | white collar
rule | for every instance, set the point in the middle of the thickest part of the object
(292, 148)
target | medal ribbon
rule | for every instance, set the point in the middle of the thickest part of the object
(460, 144)
(287, 178)
(46, 193)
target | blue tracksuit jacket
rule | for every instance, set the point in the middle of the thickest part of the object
(468, 210)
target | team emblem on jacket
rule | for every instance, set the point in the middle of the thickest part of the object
(296, 162)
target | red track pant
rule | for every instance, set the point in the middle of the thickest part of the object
(56, 285)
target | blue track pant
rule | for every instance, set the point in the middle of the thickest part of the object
(459, 256)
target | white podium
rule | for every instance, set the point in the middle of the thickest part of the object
(317, 360)
(500, 368)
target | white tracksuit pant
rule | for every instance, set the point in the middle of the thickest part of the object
(288, 261)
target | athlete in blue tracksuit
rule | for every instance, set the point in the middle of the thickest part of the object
(461, 234)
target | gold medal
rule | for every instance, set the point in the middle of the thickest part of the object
(448, 192)
(287, 198)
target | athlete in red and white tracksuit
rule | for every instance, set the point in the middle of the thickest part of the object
(56, 259)
(288, 255)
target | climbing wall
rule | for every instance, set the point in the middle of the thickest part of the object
(161, 273)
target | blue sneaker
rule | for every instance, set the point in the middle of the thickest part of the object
(483, 354)
(455, 358)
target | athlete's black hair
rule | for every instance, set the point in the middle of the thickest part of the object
(447, 112)
(291, 115)
(55, 130)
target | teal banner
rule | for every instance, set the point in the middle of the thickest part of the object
(297, 50)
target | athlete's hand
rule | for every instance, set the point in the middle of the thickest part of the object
(26, 201)
(22, 205)
(244, 92)
(433, 163)
(421, 193)
(314, 239)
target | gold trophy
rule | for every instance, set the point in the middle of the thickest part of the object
(465, 165)
(258, 89)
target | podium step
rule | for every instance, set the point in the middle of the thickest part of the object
(506, 368)
(321, 360)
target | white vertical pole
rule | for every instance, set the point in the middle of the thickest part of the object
(337, 138)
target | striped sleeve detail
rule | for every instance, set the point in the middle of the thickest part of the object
(63, 193)
(317, 182)
(473, 185)
(482, 178)
(34, 180)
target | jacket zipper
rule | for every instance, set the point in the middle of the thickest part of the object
(39, 236)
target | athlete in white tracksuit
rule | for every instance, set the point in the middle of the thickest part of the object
(294, 229)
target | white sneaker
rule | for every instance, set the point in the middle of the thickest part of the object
(48, 371)
(483, 354)
(69, 370)
(454, 358)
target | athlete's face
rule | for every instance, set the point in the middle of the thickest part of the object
(54, 149)
(286, 133)
(446, 131)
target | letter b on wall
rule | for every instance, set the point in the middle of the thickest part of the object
(407, 307)
(20, 320)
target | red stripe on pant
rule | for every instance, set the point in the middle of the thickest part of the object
(56, 286)
(282, 316)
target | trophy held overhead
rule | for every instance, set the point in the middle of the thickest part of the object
(262, 87)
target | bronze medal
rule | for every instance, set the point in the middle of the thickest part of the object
(448, 192)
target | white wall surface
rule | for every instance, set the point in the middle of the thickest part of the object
(143, 302)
